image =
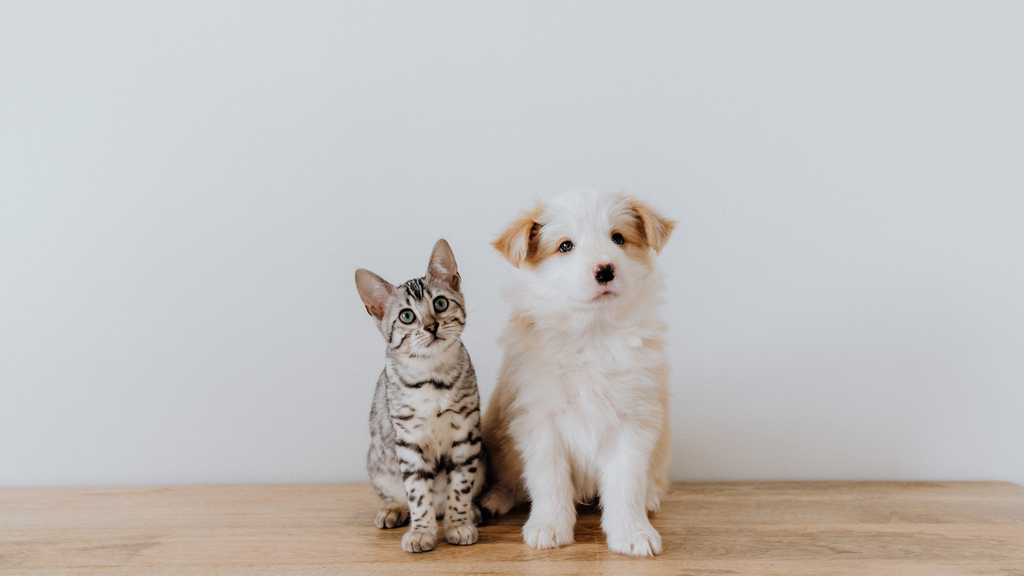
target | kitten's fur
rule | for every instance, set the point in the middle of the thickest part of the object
(425, 451)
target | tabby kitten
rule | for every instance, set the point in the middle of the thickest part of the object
(425, 451)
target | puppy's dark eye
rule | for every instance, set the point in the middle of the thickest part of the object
(406, 316)
(565, 247)
(440, 303)
(618, 239)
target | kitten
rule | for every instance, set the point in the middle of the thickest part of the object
(425, 420)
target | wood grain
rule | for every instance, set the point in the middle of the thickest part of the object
(709, 529)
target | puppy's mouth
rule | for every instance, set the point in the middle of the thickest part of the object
(604, 295)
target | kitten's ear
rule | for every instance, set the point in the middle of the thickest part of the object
(374, 290)
(519, 242)
(653, 227)
(442, 266)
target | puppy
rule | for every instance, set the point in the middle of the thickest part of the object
(581, 404)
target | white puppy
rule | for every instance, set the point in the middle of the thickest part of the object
(581, 404)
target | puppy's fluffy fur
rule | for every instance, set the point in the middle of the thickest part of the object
(581, 404)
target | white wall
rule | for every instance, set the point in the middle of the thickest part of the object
(187, 188)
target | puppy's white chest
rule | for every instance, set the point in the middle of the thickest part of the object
(583, 392)
(594, 386)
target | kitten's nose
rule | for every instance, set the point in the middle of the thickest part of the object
(604, 273)
(432, 328)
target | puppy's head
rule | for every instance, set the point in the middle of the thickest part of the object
(586, 249)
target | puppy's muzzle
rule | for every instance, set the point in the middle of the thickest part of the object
(604, 273)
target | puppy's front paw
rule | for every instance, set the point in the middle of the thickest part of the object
(392, 515)
(655, 491)
(642, 542)
(461, 535)
(545, 535)
(418, 541)
(498, 500)
(653, 503)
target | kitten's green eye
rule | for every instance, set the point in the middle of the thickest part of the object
(565, 247)
(440, 303)
(618, 239)
(406, 316)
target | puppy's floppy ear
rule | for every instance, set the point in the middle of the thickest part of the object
(653, 227)
(442, 266)
(374, 291)
(519, 242)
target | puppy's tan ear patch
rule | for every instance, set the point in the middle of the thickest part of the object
(374, 291)
(518, 244)
(653, 227)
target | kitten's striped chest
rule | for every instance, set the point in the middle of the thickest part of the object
(435, 405)
(432, 413)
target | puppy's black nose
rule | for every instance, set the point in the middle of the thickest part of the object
(604, 273)
(432, 328)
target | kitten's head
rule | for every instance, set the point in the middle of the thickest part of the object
(422, 317)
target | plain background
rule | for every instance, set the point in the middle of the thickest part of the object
(186, 189)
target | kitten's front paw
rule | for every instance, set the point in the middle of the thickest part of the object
(475, 515)
(461, 535)
(418, 541)
(392, 515)
(642, 542)
(543, 535)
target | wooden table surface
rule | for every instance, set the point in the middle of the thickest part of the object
(709, 529)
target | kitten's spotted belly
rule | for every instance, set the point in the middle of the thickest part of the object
(436, 428)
